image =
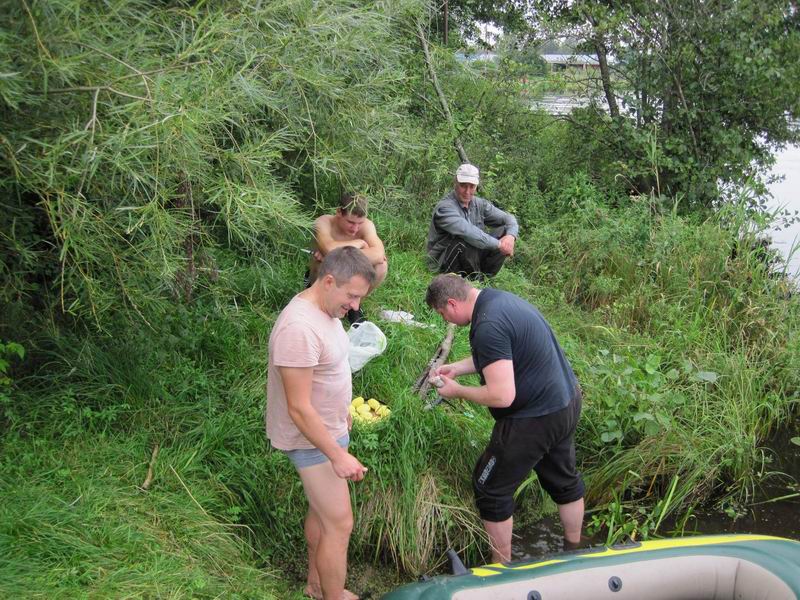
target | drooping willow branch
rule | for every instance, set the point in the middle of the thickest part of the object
(440, 94)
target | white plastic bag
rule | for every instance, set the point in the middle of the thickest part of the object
(401, 316)
(366, 342)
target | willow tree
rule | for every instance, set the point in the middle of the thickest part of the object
(142, 139)
(699, 92)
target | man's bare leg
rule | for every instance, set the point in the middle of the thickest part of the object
(313, 530)
(571, 515)
(328, 527)
(500, 538)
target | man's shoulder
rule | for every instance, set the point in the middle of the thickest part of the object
(366, 227)
(447, 203)
(302, 315)
(491, 294)
(493, 304)
(483, 202)
(323, 221)
(447, 198)
(299, 326)
(485, 306)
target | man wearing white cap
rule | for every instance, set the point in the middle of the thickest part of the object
(469, 235)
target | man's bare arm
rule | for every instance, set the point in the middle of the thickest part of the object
(499, 391)
(375, 251)
(297, 385)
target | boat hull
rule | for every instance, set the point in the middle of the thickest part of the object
(741, 567)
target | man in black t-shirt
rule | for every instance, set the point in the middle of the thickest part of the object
(533, 395)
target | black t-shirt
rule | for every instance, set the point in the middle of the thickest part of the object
(506, 327)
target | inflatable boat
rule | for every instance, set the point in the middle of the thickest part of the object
(721, 567)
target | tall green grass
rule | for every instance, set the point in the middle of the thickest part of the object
(74, 523)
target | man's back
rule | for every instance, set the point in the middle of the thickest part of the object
(505, 326)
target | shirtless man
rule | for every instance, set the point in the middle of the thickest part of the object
(348, 226)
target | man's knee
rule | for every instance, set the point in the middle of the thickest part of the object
(493, 507)
(344, 525)
(564, 492)
(381, 270)
(450, 260)
(338, 524)
(491, 262)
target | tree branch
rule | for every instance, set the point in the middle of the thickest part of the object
(148, 480)
(422, 384)
(442, 98)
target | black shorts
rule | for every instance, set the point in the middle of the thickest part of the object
(545, 444)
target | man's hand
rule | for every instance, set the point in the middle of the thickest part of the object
(507, 245)
(445, 370)
(317, 255)
(348, 466)
(449, 388)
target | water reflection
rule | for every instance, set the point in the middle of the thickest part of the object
(558, 104)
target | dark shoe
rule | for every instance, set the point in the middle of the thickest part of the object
(355, 316)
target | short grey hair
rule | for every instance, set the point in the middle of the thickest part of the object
(444, 287)
(345, 263)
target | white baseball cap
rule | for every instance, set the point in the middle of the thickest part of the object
(467, 173)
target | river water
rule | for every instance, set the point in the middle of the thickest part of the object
(786, 194)
(776, 509)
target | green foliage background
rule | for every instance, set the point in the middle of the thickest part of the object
(162, 165)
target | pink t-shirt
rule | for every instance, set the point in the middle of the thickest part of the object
(305, 336)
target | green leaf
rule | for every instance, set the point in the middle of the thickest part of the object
(610, 436)
(653, 362)
(795, 440)
(708, 376)
(16, 349)
(651, 428)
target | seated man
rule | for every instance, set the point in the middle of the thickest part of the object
(458, 241)
(348, 226)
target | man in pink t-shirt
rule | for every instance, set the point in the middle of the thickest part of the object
(308, 394)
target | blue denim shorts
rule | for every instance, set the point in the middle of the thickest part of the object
(308, 457)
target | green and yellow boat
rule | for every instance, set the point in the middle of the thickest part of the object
(720, 567)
